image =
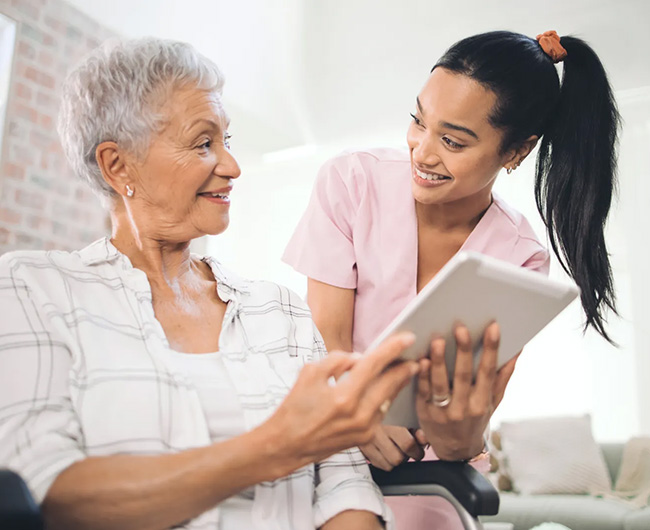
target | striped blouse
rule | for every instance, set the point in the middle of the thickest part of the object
(83, 373)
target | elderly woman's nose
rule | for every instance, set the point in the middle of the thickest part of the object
(227, 166)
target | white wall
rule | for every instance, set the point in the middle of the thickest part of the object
(331, 75)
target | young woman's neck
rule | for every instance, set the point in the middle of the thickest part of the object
(457, 215)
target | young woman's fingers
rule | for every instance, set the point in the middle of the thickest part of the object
(374, 456)
(424, 381)
(405, 442)
(487, 369)
(463, 371)
(389, 448)
(438, 376)
(502, 379)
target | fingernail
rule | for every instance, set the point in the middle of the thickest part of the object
(408, 338)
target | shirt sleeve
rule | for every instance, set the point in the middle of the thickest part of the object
(39, 430)
(343, 481)
(539, 262)
(322, 245)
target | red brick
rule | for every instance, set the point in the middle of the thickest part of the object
(13, 171)
(46, 59)
(54, 24)
(31, 199)
(10, 217)
(5, 236)
(45, 121)
(39, 77)
(26, 50)
(49, 41)
(22, 91)
(23, 111)
(46, 101)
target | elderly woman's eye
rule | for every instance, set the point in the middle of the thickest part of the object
(205, 145)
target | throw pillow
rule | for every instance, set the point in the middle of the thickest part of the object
(554, 455)
(633, 480)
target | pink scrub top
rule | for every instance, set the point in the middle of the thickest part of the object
(360, 232)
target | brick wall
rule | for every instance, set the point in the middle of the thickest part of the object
(42, 203)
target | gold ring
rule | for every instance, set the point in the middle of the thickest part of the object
(383, 408)
(441, 401)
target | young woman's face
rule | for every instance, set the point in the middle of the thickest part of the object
(455, 152)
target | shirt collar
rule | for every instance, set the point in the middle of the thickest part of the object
(103, 251)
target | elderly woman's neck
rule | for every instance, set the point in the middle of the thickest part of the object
(164, 262)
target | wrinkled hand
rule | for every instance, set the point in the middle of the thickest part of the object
(455, 430)
(318, 419)
(391, 447)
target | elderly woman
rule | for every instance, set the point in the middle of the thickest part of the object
(145, 387)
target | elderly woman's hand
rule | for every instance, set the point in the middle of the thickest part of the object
(454, 421)
(318, 418)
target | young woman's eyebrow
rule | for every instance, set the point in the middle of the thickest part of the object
(446, 124)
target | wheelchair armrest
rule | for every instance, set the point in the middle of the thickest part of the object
(471, 489)
(18, 510)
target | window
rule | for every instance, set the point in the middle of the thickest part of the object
(7, 40)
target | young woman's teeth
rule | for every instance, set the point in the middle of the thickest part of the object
(429, 176)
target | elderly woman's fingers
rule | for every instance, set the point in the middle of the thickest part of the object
(387, 385)
(485, 378)
(337, 363)
(463, 371)
(375, 362)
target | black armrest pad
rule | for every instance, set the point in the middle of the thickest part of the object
(472, 490)
(18, 510)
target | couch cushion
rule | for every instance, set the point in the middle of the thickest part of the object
(578, 512)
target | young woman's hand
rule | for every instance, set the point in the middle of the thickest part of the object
(319, 418)
(454, 420)
(392, 446)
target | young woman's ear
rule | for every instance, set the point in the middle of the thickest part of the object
(112, 164)
(517, 155)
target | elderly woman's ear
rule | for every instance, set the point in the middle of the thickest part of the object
(113, 165)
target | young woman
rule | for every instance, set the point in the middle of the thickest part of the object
(381, 223)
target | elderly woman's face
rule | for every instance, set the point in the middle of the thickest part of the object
(183, 184)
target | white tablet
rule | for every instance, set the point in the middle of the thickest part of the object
(476, 290)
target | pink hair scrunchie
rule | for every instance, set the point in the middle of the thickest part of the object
(550, 43)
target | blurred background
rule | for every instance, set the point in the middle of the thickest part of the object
(307, 79)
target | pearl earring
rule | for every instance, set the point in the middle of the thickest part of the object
(129, 191)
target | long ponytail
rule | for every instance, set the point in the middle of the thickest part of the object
(575, 178)
(577, 122)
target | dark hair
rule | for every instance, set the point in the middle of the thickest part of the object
(578, 122)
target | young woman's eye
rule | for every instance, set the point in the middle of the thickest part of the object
(416, 120)
(451, 143)
(226, 140)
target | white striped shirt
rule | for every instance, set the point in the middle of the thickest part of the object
(82, 374)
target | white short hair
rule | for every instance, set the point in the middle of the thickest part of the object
(115, 93)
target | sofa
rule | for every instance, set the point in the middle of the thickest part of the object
(577, 512)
